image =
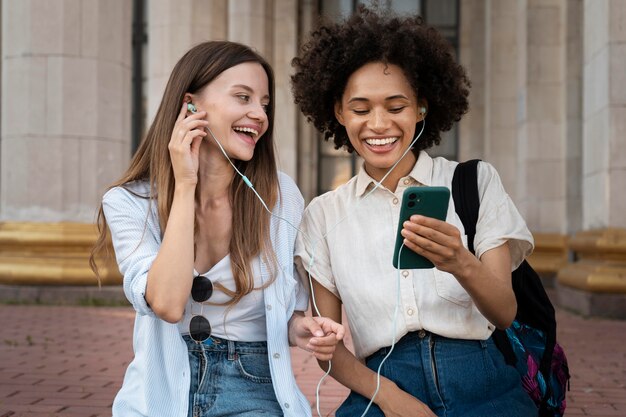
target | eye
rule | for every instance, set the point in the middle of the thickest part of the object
(266, 107)
(397, 109)
(360, 112)
(244, 97)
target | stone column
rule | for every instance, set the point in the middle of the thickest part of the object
(547, 144)
(505, 94)
(473, 55)
(174, 26)
(596, 283)
(308, 137)
(65, 132)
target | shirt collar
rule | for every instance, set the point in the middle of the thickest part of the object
(421, 172)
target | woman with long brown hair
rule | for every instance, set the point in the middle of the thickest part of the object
(203, 226)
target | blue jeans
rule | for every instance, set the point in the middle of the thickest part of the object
(454, 377)
(230, 378)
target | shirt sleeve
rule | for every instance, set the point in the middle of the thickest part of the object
(499, 221)
(312, 253)
(292, 207)
(134, 242)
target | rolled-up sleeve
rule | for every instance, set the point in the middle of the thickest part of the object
(135, 240)
(312, 254)
(499, 221)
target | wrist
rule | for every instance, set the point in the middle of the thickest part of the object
(470, 266)
(291, 328)
(384, 393)
(183, 189)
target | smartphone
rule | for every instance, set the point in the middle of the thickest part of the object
(426, 201)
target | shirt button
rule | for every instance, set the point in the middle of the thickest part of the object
(269, 307)
(405, 273)
(286, 405)
(409, 312)
(395, 201)
(276, 355)
(407, 181)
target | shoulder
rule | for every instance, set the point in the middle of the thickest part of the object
(134, 190)
(134, 196)
(289, 192)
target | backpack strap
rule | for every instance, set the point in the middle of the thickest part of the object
(467, 203)
(466, 199)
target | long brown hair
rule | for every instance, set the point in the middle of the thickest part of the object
(251, 223)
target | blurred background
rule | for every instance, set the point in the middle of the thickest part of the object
(81, 81)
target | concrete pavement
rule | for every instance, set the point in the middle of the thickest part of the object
(69, 361)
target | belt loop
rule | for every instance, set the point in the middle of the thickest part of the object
(232, 354)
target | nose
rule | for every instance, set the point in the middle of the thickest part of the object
(379, 121)
(257, 112)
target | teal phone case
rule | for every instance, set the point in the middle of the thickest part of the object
(426, 201)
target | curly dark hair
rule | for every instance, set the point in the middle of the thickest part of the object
(335, 50)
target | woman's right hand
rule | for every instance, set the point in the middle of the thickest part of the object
(184, 145)
(399, 403)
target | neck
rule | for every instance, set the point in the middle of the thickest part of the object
(401, 170)
(215, 175)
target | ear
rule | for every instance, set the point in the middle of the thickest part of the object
(339, 113)
(188, 98)
(422, 109)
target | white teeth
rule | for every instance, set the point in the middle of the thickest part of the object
(382, 141)
(246, 129)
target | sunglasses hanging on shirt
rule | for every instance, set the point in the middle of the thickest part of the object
(199, 326)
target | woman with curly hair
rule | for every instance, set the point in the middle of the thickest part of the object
(372, 83)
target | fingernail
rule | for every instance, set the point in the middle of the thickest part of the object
(319, 333)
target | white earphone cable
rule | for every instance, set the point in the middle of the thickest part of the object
(313, 250)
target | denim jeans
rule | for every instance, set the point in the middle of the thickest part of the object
(230, 378)
(454, 377)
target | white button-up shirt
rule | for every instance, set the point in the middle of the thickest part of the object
(347, 241)
(157, 380)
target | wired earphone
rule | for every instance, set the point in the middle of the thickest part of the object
(192, 109)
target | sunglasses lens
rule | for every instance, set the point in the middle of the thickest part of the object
(202, 289)
(199, 328)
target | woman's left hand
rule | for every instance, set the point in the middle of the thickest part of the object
(439, 242)
(318, 335)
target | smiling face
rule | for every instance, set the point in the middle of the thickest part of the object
(379, 110)
(236, 102)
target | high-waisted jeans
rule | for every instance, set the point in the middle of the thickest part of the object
(454, 377)
(230, 378)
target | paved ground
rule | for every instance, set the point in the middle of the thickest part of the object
(69, 362)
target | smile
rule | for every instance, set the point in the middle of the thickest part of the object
(247, 130)
(382, 141)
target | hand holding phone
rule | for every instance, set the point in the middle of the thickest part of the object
(425, 201)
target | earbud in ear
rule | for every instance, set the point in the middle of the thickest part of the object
(191, 107)
(423, 110)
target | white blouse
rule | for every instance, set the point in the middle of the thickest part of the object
(346, 243)
(244, 321)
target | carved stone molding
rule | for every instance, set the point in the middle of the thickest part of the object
(51, 254)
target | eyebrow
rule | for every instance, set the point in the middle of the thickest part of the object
(397, 96)
(248, 89)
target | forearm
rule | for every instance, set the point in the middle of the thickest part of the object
(488, 282)
(353, 374)
(171, 274)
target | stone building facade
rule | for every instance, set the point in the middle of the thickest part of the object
(82, 78)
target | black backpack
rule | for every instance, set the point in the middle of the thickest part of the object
(529, 344)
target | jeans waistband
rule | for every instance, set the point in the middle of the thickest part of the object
(217, 344)
(425, 334)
